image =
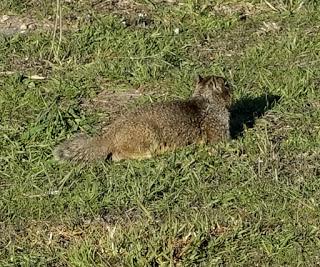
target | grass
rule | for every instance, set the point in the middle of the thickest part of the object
(252, 201)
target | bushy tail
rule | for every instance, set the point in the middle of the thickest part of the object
(81, 148)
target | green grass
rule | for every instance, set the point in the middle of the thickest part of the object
(250, 202)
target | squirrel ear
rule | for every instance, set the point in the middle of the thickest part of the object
(199, 78)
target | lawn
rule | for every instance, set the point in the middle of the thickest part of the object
(73, 66)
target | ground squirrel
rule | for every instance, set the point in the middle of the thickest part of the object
(159, 127)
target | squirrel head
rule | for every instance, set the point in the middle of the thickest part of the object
(213, 88)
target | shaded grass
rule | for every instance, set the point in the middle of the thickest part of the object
(253, 201)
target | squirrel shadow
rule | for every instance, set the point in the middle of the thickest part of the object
(245, 111)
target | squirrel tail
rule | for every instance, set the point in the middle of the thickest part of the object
(82, 148)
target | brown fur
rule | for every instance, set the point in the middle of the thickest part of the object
(159, 127)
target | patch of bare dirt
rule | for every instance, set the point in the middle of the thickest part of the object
(234, 41)
(218, 230)
(47, 233)
(131, 12)
(246, 9)
(231, 43)
(32, 68)
(12, 24)
(29, 67)
(242, 9)
(180, 246)
(126, 6)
